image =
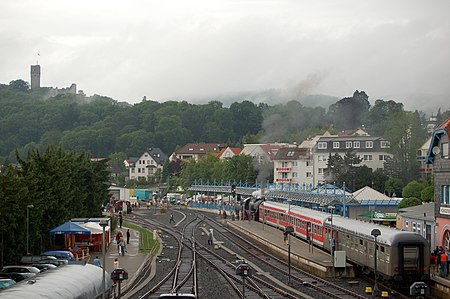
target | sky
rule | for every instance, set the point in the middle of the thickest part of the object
(197, 49)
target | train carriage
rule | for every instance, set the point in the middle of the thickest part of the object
(402, 257)
(68, 281)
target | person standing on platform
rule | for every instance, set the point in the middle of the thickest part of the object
(171, 218)
(122, 246)
(444, 260)
(96, 262)
(128, 236)
(120, 219)
(116, 263)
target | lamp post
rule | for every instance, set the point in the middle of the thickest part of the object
(332, 245)
(375, 232)
(28, 225)
(103, 224)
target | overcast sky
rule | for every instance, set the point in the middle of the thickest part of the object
(191, 49)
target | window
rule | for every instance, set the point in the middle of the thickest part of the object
(294, 175)
(384, 144)
(308, 174)
(367, 157)
(284, 164)
(381, 157)
(348, 144)
(322, 145)
(320, 170)
(336, 144)
(406, 225)
(414, 227)
(308, 163)
(369, 144)
(132, 170)
(322, 158)
(356, 144)
(445, 150)
(294, 163)
(445, 194)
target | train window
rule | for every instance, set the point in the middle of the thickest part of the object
(411, 259)
(382, 248)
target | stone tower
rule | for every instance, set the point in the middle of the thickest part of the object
(35, 76)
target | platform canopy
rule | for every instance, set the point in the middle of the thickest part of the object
(70, 228)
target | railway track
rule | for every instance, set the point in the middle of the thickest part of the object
(301, 279)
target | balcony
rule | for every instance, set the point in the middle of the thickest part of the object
(283, 180)
(283, 169)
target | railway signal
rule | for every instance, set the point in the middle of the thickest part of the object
(244, 270)
(118, 275)
(233, 190)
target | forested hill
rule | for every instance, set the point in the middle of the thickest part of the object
(104, 126)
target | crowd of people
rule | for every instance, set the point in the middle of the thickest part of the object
(439, 262)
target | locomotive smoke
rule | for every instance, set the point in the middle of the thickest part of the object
(278, 125)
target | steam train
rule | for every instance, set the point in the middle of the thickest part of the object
(402, 257)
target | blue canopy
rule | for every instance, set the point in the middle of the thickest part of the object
(71, 228)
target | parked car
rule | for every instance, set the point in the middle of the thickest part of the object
(44, 267)
(14, 276)
(28, 271)
(6, 283)
(42, 259)
(32, 259)
(60, 254)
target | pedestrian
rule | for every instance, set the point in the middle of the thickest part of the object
(122, 246)
(444, 260)
(96, 262)
(171, 218)
(116, 263)
(433, 263)
(128, 236)
(210, 237)
(285, 234)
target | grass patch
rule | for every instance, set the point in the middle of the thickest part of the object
(146, 242)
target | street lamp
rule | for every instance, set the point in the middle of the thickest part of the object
(375, 232)
(28, 225)
(103, 224)
(332, 244)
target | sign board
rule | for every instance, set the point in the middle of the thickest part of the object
(444, 210)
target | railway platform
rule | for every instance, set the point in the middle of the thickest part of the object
(303, 255)
(132, 261)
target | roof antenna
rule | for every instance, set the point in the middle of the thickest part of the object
(37, 58)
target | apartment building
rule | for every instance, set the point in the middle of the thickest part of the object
(371, 150)
(147, 164)
(293, 165)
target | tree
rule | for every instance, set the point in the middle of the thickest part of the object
(393, 187)
(20, 85)
(347, 113)
(405, 133)
(376, 119)
(413, 189)
(409, 202)
(427, 194)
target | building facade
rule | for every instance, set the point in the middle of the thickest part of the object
(147, 164)
(293, 165)
(438, 155)
(371, 150)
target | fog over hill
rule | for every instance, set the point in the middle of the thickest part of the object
(427, 103)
